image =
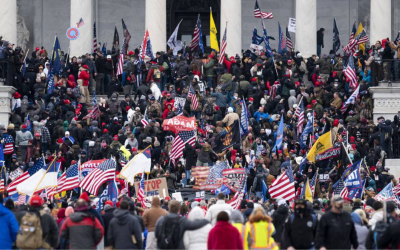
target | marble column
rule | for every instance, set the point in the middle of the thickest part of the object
(84, 43)
(156, 23)
(231, 12)
(306, 27)
(6, 93)
(8, 20)
(381, 20)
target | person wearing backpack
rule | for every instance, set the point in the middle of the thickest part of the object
(209, 110)
(170, 228)
(8, 226)
(82, 228)
(37, 229)
(336, 229)
(300, 229)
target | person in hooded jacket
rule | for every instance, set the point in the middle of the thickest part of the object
(8, 226)
(124, 230)
(150, 218)
(196, 239)
(190, 155)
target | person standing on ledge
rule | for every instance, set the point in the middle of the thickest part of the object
(320, 41)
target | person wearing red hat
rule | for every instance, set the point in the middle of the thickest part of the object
(319, 110)
(48, 225)
(169, 100)
(85, 77)
(82, 229)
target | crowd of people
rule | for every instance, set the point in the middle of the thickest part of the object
(58, 123)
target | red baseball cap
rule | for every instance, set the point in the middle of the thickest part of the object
(35, 201)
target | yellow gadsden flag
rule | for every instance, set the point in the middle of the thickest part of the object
(359, 30)
(308, 193)
(213, 34)
(323, 143)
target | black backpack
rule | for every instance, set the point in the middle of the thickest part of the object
(169, 233)
(380, 228)
(210, 110)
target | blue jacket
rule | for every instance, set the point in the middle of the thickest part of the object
(257, 115)
(8, 228)
(221, 99)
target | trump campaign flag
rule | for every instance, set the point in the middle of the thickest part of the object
(139, 164)
(279, 136)
(109, 194)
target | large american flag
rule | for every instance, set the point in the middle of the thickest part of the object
(192, 95)
(70, 179)
(223, 47)
(143, 48)
(94, 38)
(200, 173)
(183, 138)
(237, 199)
(12, 187)
(350, 72)
(197, 39)
(359, 39)
(140, 193)
(8, 144)
(260, 14)
(387, 194)
(95, 112)
(3, 178)
(80, 23)
(283, 186)
(341, 189)
(289, 43)
(300, 117)
(351, 100)
(127, 38)
(104, 172)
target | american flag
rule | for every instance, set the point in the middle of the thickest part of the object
(80, 23)
(283, 186)
(351, 100)
(8, 144)
(193, 96)
(215, 175)
(122, 158)
(237, 199)
(3, 178)
(70, 179)
(104, 172)
(143, 48)
(197, 37)
(313, 182)
(396, 190)
(300, 117)
(140, 193)
(289, 43)
(22, 199)
(259, 14)
(341, 189)
(350, 72)
(12, 187)
(127, 38)
(200, 174)
(223, 47)
(94, 38)
(183, 138)
(353, 32)
(95, 112)
(359, 39)
(145, 120)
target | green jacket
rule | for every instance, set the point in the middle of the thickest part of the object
(209, 68)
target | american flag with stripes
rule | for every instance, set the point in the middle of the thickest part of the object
(145, 120)
(70, 179)
(197, 37)
(223, 46)
(192, 95)
(289, 43)
(8, 144)
(140, 193)
(95, 112)
(313, 182)
(200, 174)
(127, 38)
(396, 190)
(283, 186)
(387, 194)
(3, 178)
(260, 14)
(359, 39)
(350, 72)
(94, 38)
(143, 48)
(351, 100)
(341, 189)
(22, 199)
(299, 114)
(80, 23)
(237, 199)
(104, 172)
(123, 159)
(183, 138)
(353, 32)
(12, 187)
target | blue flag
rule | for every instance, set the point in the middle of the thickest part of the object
(264, 191)
(307, 130)
(244, 119)
(353, 183)
(266, 40)
(223, 189)
(110, 193)
(104, 49)
(256, 39)
(55, 65)
(282, 44)
(279, 136)
(149, 48)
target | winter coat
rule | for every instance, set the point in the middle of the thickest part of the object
(224, 236)
(209, 66)
(151, 215)
(297, 233)
(220, 99)
(107, 217)
(156, 91)
(8, 228)
(121, 229)
(78, 228)
(215, 209)
(292, 99)
(196, 239)
(113, 105)
(23, 138)
(230, 118)
(182, 68)
(190, 154)
(84, 75)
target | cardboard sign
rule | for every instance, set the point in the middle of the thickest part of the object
(15, 174)
(177, 196)
(323, 177)
(179, 100)
(154, 187)
(292, 25)
(179, 123)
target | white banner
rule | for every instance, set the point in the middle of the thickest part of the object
(292, 25)
(179, 100)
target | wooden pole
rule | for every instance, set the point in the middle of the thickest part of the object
(24, 60)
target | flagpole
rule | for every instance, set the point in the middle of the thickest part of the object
(298, 105)
(55, 158)
(26, 54)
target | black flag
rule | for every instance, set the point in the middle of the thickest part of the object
(227, 138)
(116, 38)
(336, 39)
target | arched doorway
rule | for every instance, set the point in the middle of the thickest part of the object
(188, 10)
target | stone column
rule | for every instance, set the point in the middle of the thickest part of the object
(156, 23)
(231, 12)
(8, 20)
(6, 93)
(381, 20)
(84, 43)
(306, 27)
